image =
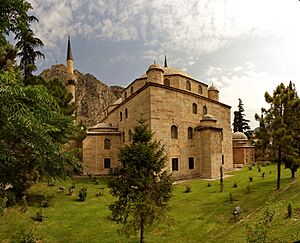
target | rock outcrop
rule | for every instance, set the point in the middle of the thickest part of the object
(92, 95)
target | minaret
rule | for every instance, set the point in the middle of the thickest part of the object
(70, 71)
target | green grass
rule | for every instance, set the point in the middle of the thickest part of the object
(202, 215)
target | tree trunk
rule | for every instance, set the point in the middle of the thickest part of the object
(293, 173)
(142, 231)
(278, 168)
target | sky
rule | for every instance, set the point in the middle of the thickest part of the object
(245, 48)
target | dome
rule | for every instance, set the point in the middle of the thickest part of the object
(212, 88)
(168, 71)
(239, 135)
(209, 117)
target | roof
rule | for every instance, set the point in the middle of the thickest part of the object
(209, 117)
(239, 135)
(212, 87)
(69, 51)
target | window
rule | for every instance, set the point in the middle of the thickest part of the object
(174, 132)
(190, 133)
(191, 163)
(126, 113)
(106, 143)
(188, 85)
(174, 164)
(204, 110)
(167, 82)
(199, 89)
(123, 136)
(107, 163)
(121, 118)
(125, 95)
(131, 89)
(194, 108)
(222, 159)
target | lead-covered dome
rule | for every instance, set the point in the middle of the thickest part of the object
(239, 135)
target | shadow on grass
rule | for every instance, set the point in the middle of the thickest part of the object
(35, 199)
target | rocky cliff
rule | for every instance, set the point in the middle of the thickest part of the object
(92, 96)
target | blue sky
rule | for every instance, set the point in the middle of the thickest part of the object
(244, 47)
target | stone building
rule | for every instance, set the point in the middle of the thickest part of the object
(243, 150)
(184, 114)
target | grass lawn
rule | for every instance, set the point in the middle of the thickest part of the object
(202, 215)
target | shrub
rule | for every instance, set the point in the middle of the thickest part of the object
(45, 203)
(29, 237)
(71, 190)
(11, 199)
(73, 185)
(289, 210)
(39, 216)
(82, 194)
(208, 184)
(250, 178)
(263, 175)
(187, 189)
(235, 185)
(259, 169)
(99, 194)
(250, 167)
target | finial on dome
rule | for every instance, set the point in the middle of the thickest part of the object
(166, 64)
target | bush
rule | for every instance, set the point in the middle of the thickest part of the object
(208, 184)
(187, 189)
(82, 194)
(250, 178)
(29, 237)
(39, 216)
(45, 203)
(289, 210)
(11, 199)
(235, 185)
(250, 167)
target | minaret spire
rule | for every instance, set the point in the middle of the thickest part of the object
(166, 64)
(69, 51)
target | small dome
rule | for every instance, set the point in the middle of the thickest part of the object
(209, 117)
(212, 88)
(154, 66)
(239, 135)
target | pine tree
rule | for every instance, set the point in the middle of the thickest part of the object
(281, 127)
(142, 186)
(240, 124)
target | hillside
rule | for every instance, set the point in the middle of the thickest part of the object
(92, 95)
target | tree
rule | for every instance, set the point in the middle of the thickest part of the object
(240, 124)
(142, 185)
(27, 44)
(33, 132)
(281, 125)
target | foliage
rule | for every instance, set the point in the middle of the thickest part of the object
(142, 186)
(39, 216)
(240, 124)
(279, 131)
(32, 133)
(3, 204)
(23, 204)
(188, 189)
(29, 237)
(82, 194)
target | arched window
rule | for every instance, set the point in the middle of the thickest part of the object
(106, 143)
(131, 90)
(188, 85)
(190, 133)
(121, 117)
(167, 82)
(199, 89)
(174, 132)
(204, 110)
(126, 113)
(125, 94)
(194, 108)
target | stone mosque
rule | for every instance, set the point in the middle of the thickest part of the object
(184, 114)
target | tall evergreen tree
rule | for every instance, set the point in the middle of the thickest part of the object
(281, 126)
(240, 124)
(142, 186)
